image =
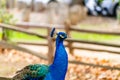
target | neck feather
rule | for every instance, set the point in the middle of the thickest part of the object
(60, 63)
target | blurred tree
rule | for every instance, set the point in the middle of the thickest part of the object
(77, 2)
(7, 18)
(52, 1)
(32, 5)
(2, 3)
(10, 3)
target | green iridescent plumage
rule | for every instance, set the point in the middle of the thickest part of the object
(35, 70)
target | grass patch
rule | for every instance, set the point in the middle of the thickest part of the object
(95, 37)
(19, 36)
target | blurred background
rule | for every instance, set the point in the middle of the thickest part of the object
(93, 27)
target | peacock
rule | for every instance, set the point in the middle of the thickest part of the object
(56, 71)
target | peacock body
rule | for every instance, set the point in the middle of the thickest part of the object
(56, 71)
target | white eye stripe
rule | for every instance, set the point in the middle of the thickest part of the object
(61, 36)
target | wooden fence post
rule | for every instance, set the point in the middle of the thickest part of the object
(67, 29)
(4, 38)
(50, 47)
(4, 35)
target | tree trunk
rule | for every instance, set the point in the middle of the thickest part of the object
(32, 5)
(118, 15)
(10, 3)
(77, 2)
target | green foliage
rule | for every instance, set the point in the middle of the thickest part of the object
(2, 4)
(5, 16)
(119, 2)
(100, 1)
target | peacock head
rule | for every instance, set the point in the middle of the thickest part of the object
(60, 35)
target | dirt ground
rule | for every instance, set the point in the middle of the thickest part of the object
(12, 60)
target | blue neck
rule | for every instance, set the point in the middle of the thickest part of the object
(59, 67)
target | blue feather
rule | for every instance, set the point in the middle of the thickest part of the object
(59, 67)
